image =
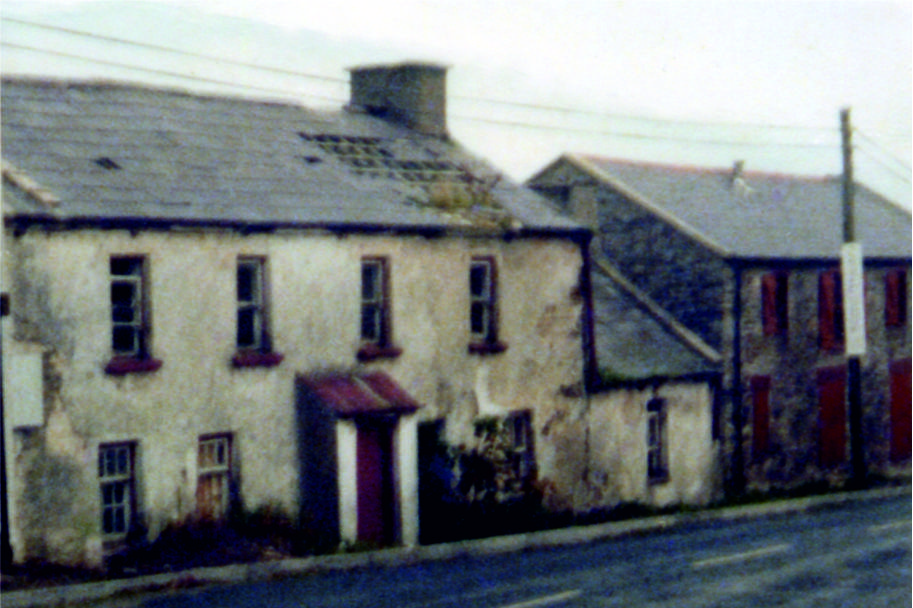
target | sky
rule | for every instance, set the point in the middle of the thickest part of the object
(701, 83)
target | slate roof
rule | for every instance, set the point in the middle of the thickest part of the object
(760, 215)
(104, 152)
(632, 344)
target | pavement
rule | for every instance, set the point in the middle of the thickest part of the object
(402, 556)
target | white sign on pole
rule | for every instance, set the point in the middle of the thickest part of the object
(853, 298)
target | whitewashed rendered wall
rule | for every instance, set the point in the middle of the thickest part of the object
(606, 464)
(59, 284)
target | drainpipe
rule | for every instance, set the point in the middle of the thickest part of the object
(738, 458)
(588, 342)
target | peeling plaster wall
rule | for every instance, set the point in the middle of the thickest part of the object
(59, 285)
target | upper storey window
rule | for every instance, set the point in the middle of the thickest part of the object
(128, 318)
(376, 320)
(483, 306)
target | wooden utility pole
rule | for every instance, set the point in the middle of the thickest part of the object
(853, 305)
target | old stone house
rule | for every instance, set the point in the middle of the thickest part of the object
(748, 263)
(221, 304)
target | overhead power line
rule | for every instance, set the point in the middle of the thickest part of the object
(166, 49)
(881, 150)
(617, 116)
(503, 123)
(475, 99)
(633, 135)
(902, 176)
(158, 71)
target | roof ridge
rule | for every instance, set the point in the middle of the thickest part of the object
(163, 89)
(712, 170)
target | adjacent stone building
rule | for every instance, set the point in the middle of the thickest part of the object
(748, 263)
(223, 305)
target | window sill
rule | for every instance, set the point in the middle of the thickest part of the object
(120, 366)
(487, 348)
(658, 479)
(246, 358)
(371, 352)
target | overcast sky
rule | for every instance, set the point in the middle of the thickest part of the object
(653, 79)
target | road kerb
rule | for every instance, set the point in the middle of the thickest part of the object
(401, 556)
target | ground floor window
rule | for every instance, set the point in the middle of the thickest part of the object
(214, 476)
(116, 466)
(657, 462)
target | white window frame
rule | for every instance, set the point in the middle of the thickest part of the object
(117, 486)
(136, 323)
(255, 304)
(375, 304)
(483, 299)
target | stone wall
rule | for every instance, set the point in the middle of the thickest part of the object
(792, 362)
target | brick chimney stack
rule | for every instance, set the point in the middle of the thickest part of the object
(411, 94)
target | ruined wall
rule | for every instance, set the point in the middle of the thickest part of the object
(59, 284)
(792, 362)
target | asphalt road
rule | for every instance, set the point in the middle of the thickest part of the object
(856, 554)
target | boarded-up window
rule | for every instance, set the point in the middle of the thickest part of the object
(214, 476)
(760, 402)
(832, 416)
(895, 298)
(900, 411)
(775, 303)
(830, 310)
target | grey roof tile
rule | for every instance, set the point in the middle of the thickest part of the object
(764, 215)
(198, 158)
(632, 344)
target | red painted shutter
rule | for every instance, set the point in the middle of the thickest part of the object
(760, 404)
(895, 298)
(830, 311)
(769, 304)
(832, 416)
(900, 411)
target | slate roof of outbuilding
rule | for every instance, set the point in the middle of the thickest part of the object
(203, 159)
(761, 215)
(632, 344)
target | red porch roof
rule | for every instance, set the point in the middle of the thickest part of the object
(361, 394)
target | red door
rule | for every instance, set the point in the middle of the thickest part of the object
(832, 416)
(376, 502)
(900, 410)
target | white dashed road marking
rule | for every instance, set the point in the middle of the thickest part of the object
(740, 557)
